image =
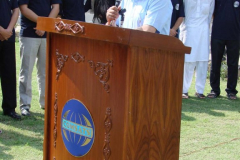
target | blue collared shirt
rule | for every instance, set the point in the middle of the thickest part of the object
(156, 13)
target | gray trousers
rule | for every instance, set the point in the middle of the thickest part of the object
(32, 50)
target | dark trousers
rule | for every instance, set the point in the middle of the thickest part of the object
(8, 76)
(217, 48)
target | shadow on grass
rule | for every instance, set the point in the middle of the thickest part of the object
(187, 118)
(14, 138)
(5, 149)
(213, 107)
(33, 123)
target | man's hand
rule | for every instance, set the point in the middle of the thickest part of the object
(1, 38)
(173, 32)
(39, 32)
(112, 14)
(6, 33)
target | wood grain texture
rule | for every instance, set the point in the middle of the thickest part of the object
(144, 94)
(154, 112)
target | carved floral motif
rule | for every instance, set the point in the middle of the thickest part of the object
(55, 121)
(108, 127)
(74, 28)
(61, 59)
(103, 72)
(78, 57)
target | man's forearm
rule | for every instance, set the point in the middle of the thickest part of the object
(178, 23)
(29, 14)
(147, 28)
(55, 10)
(13, 19)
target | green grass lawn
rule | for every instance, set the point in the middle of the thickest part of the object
(210, 128)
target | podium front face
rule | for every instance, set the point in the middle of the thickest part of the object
(111, 99)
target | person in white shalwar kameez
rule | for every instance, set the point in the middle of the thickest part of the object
(194, 32)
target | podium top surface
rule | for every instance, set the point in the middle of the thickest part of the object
(112, 34)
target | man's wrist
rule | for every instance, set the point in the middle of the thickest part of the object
(10, 28)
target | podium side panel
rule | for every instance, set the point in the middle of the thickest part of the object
(154, 113)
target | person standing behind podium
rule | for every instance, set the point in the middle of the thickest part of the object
(194, 32)
(72, 10)
(145, 15)
(33, 48)
(9, 14)
(177, 17)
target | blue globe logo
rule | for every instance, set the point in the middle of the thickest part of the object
(78, 131)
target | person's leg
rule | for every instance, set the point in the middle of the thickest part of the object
(8, 79)
(41, 67)
(217, 48)
(187, 76)
(232, 62)
(201, 76)
(28, 52)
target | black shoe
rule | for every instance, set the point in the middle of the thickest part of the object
(13, 115)
(25, 112)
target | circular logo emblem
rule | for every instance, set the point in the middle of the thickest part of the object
(78, 131)
(177, 7)
(236, 4)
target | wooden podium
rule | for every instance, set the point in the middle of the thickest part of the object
(130, 82)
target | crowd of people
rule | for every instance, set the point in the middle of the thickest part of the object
(187, 20)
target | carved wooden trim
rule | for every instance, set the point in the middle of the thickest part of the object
(74, 28)
(61, 59)
(102, 71)
(55, 121)
(78, 57)
(108, 127)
